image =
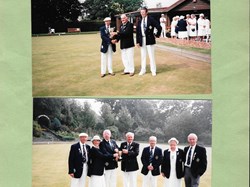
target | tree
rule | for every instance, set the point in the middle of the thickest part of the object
(124, 120)
(48, 12)
(129, 5)
(107, 115)
(88, 118)
(97, 9)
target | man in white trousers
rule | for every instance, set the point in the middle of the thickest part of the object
(151, 160)
(77, 162)
(145, 39)
(109, 147)
(129, 164)
(163, 26)
(108, 47)
(126, 37)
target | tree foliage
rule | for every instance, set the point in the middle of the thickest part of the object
(162, 118)
(48, 12)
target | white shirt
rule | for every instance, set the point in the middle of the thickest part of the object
(153, 150)
(162, 20)
(191, 157)
(142, 26)
(81, 145)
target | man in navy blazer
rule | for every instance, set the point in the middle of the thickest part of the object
(129, 164)
(145, 39)
(195, 162)
(107, 48)
(109, 147)
(77, 161)
(151, 160)
(126, 38)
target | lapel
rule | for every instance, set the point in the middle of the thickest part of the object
(123, 27)
(195, 151)
(79, 147)
(108, 146)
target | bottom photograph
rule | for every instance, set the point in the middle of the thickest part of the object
(105, 142)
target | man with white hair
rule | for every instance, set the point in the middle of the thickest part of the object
(151, 160)
(77, 162)
(109, 147)
(126, 37)
(129, 164)
(195, 162)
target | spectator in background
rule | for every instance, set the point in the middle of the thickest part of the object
(201, 27)
(188, 17)
(172, 167)
(207, 29)
(182, 28)
(173, 27)
(151, 160)
(192, 27)
(163, 26)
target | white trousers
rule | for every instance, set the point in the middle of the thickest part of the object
(110, 177)
(163, 31)
(128, 60)
(97, 181)
(81, 181)
(106, 60)
(149, 180)
(151, 53)
(130, 179)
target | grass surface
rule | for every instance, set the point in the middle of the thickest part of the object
(50, 166)
(70, 66)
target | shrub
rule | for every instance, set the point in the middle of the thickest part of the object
(37, 130)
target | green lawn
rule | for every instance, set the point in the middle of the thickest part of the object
(50, 166)
(69, 65)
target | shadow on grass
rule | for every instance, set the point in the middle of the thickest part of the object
(162, 68)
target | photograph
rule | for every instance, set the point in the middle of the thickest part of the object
(124, 93)
(83, 142)
(121, 47)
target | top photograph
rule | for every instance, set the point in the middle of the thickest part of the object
(121, 47)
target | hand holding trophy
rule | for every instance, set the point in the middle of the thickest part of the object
(113, 34)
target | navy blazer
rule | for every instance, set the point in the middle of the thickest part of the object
(109, 150)
(150, 36)
(106, 41)
(129, 161)
(182, 25)
(97, 161)
(156, 162)
(126, 36)
(199, 160)
(76, 160)
(179, 165)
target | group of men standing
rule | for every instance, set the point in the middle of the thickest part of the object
(145, 40)
(100, 162)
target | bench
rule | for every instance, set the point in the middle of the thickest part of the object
(74, 30)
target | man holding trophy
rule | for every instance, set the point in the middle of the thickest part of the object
(107, 48)
(126, 37)
(109, 147)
